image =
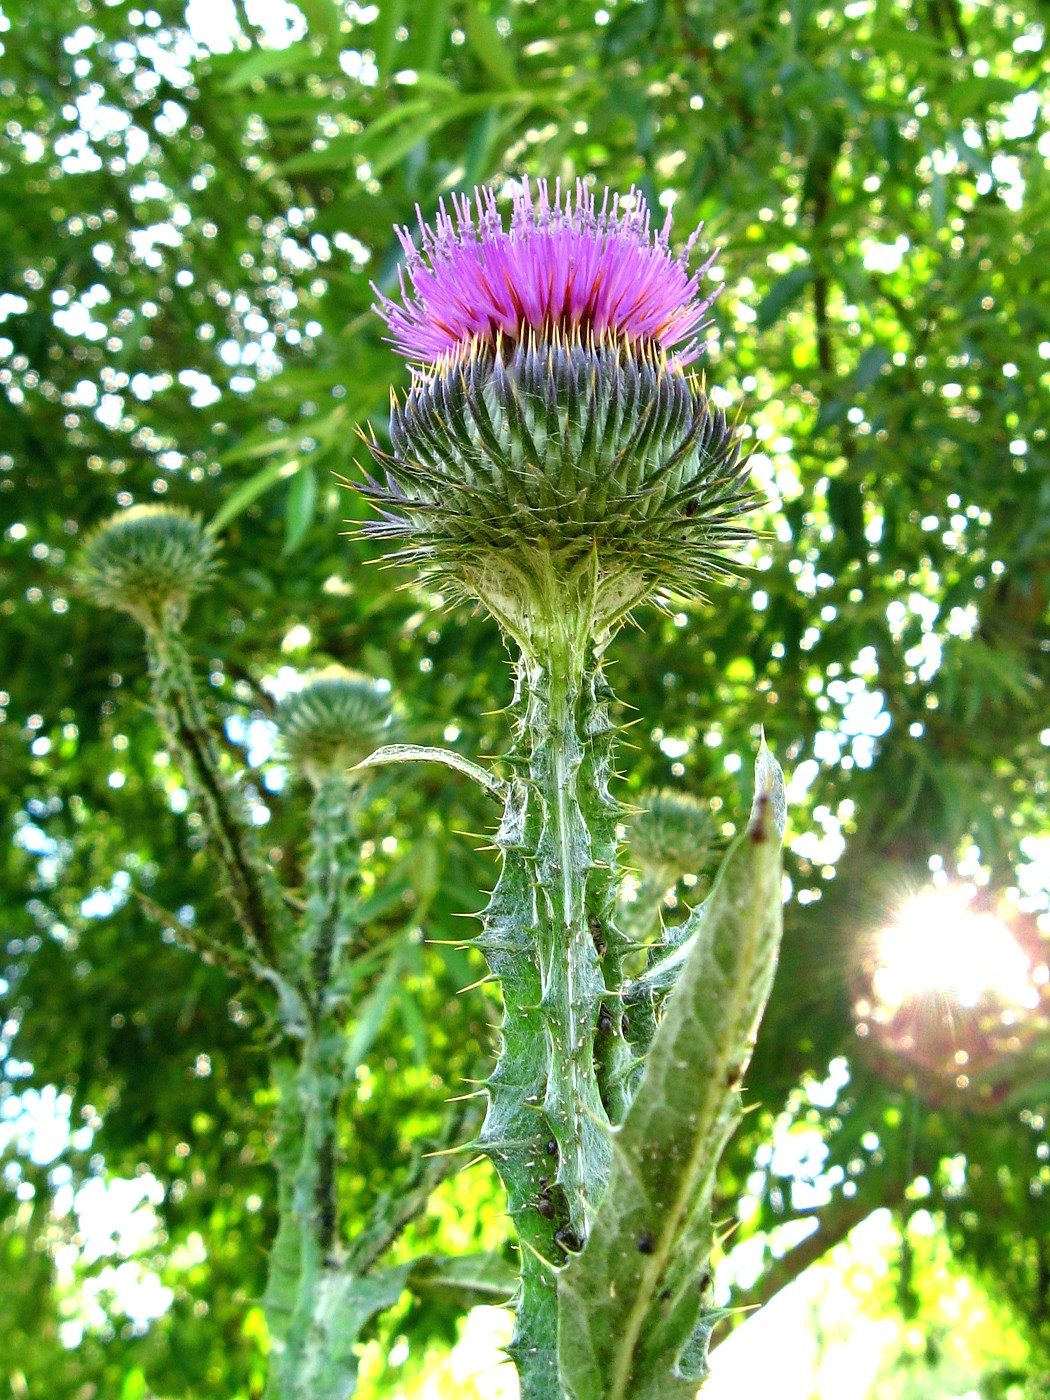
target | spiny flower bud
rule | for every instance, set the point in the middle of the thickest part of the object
(149, 562)
(673, 835)
(333, 722)
(552, 453)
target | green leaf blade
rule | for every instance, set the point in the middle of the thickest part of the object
(301, 508)
(631, 1302)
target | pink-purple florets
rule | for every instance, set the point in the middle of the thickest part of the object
(567, 265)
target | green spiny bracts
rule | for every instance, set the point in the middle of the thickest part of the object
(672, 835)
(333, 722)
(149, 562)
(512, 464)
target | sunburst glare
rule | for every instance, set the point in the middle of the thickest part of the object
(939, 944)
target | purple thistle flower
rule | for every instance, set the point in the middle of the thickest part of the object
(553, 456)
(566, 265)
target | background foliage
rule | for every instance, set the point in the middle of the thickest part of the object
(195, 200)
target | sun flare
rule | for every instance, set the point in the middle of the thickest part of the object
(939, 945)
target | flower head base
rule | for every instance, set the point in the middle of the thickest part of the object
(566, 264)
(552, 457)
(335, 721)
(149, 562)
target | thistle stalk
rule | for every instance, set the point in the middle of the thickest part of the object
(324, 729)
(252, 890)
(149, 562)
(547, 935)
(554, 460)
(311, 1259)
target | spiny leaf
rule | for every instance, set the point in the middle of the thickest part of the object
(632, 1324)
(423, 753)
(345, 1304)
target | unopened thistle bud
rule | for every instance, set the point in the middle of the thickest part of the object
(673, 835)
(149, 562)
(335, 721)
(554, 452)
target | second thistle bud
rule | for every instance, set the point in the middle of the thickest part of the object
(335, 721)
(673, 835)
(149, 562)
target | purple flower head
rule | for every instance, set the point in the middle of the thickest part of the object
(567, 265)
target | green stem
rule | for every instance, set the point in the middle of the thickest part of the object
(303, 1368)
(614, 1055)
(330, 942)
(323, 1291)
(572, 984)
(252, 889)
(326, 944)
(550, 937)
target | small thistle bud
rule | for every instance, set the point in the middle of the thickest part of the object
(553, 453)
(673, 835)
(149, 562)
(335, 721)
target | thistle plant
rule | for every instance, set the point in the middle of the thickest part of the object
(556, 458)
(310, 955)
(149, 562)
